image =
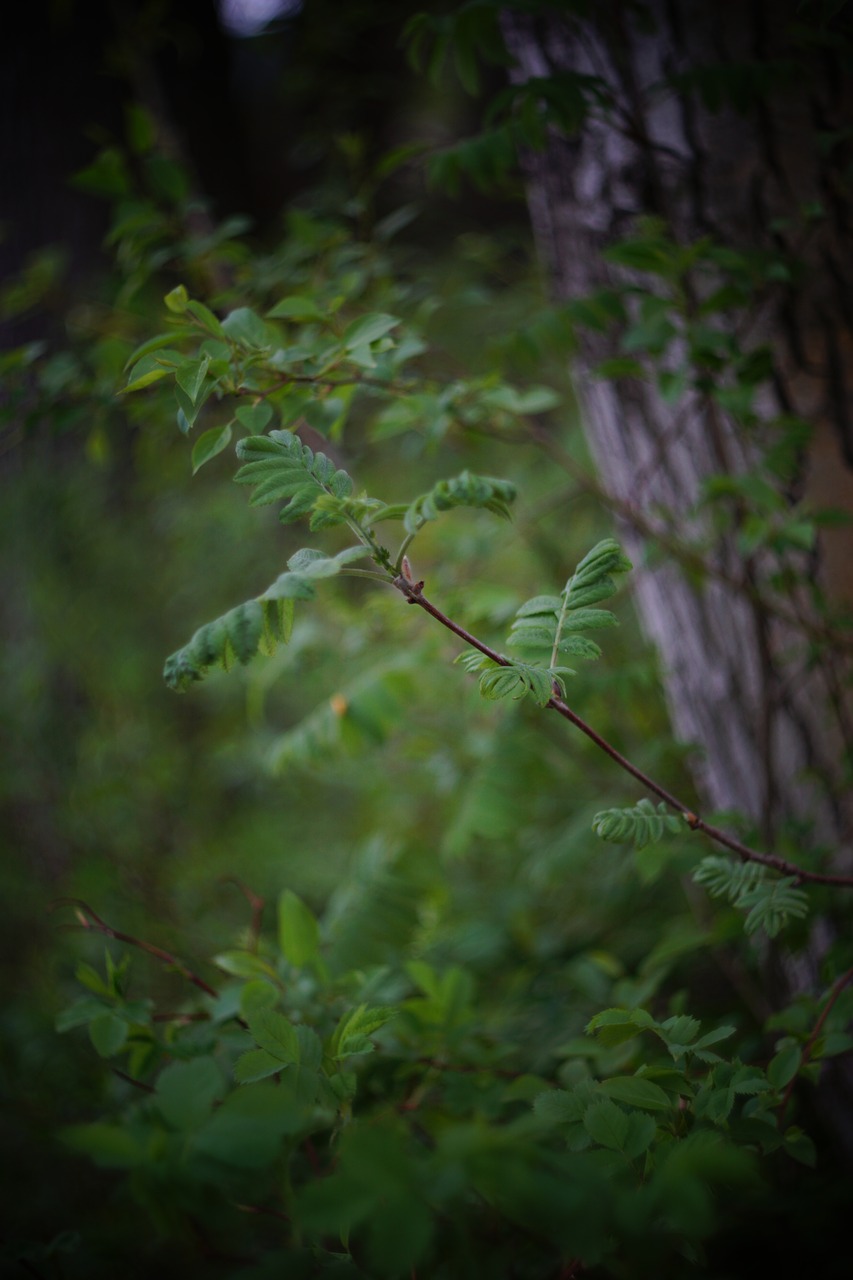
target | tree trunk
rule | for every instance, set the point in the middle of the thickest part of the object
(749, 681)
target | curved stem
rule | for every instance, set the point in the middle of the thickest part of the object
(404, 546)
(413, 593)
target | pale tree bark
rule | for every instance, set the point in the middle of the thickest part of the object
(749, 680)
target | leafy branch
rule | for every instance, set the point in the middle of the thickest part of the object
(281, 467)
(413, 592)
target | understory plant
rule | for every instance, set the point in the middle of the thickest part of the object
(522, 1021)
(345, 1095)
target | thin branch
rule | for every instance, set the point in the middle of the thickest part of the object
(88, 919)
(808, 1048)
(413, 592)
(137, 1084)
(257, 903)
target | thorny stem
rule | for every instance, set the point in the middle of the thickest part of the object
(837, 987)
(413, 591)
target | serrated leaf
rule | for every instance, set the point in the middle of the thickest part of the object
(541, 605)
(641, 1134)
(464, 490)
(615, 1026)
(351, 1035)
(274, 1033)
(558, 1106)
(636, 1092)
(587, 619)
(290, 586)
(257, 1064)
(606, 1124)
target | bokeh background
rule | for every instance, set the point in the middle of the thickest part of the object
(241, 148)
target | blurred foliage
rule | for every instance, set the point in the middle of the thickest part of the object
(391, 1073)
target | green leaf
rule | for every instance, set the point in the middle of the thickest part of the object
(206, 318)
(187, 1091)
(107, 1144)
(784, 1065)
(244, 964)
(641, 1134)
(352, 1032)
(176, 300)
(607, 1125)
(290, 587)
(190, 376)
(248, 1129)
(614, 1026)
(281, 466)
(558, 1106)
(547, 605)
(257, 625)
(464, 490)
(801, 1147)
(641, 825)
(296, 307)
(636, 1092)
(144, 380)
(246, 327)
(258, 994)
(155, 344)
(275, 1033)
(79, 1014)
(257, 1064)
(209, 444)
(108, 1034)
(254, 417)
(298, 932)
(367, 329)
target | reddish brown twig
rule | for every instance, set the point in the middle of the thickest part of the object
(137, 1084)
(257, 903)
(413, 592)
(89, 919)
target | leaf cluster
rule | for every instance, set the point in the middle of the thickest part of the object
(770, 901)
(360, 1086)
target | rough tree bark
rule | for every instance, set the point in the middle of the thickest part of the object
(770, 724)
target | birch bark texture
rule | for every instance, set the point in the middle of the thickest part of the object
(765, 705)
